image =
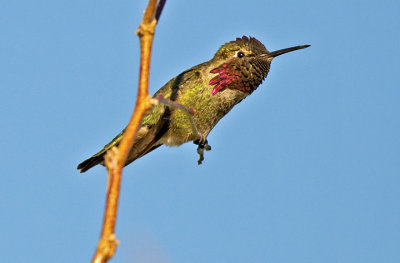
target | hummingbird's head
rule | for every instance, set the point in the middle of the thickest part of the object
(243, 64)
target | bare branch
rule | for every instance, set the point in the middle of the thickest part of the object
(115, 158)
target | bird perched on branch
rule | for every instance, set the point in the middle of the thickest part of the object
(212, 89)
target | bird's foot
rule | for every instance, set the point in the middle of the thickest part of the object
(202, 145)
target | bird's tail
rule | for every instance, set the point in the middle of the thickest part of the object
(92, 161)
(98, 158)
(145, 142)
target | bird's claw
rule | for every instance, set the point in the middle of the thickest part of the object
(200, 151)
(202, 145)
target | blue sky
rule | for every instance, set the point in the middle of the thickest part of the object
(306, 169)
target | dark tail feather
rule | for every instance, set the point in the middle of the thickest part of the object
(145, 142)
(99, 159)
(92, 161)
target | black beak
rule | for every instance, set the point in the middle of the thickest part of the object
(285, 50)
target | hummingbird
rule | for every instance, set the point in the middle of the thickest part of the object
(212, 89)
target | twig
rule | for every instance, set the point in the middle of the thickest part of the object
(115, 158)
(160, 7)
(161, 99)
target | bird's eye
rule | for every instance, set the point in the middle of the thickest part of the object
(240, 54)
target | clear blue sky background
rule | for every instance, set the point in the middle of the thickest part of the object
(307, 169)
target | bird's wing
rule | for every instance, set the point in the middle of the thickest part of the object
(154, 125)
